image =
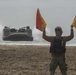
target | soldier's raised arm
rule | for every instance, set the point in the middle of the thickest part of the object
(47, 38)
(68, 38)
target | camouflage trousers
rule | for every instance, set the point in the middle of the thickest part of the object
(58, 60)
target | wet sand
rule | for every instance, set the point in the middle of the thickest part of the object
(32, 60)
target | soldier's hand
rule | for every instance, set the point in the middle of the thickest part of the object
(44, 31)
(71, 26)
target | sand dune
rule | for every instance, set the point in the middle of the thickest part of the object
(32, 60)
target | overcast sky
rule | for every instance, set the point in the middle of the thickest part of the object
(18, 13)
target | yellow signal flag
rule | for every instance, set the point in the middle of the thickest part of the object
(74, 22)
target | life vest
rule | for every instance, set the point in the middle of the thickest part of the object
(57, 46)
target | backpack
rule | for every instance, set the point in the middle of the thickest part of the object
(57, 46)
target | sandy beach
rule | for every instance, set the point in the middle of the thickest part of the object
(32, 60)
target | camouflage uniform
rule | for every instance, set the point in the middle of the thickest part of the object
(58, 59)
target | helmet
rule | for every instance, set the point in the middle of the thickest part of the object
(58, 28)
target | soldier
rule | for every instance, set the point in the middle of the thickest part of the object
(58, 49)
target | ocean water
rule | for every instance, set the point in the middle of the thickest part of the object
(34, 42)
(23, 43)
(30, 43)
